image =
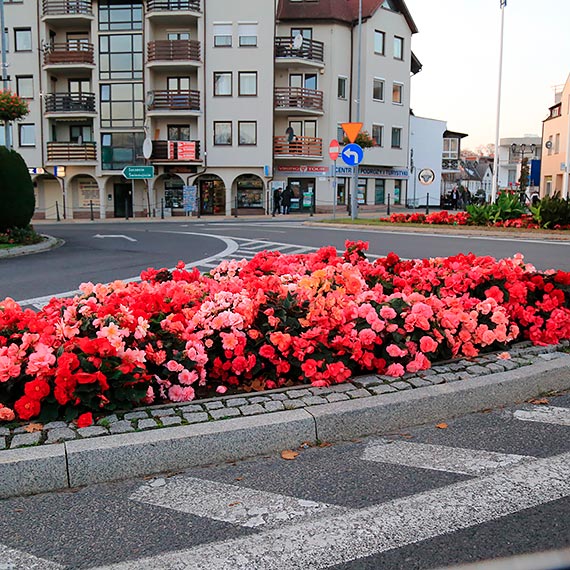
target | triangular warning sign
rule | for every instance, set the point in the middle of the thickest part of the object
(351, 130)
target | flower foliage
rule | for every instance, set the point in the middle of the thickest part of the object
(273, 321)
(12, 106)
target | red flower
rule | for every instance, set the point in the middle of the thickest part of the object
(37, 389)
(27, 407)
(85, 420)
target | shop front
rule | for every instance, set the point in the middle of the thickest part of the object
(304, 182)
(249, 194)
(212, 192)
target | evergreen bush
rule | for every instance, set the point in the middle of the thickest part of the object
(17, 200)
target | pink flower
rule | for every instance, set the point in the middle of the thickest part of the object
(395, 351)
(387, 313)
(395, 370)
(504, 356)
(6, 414)
(174, 366)
(427, 344)
(187, 377)
(178, 393)
(221, 389)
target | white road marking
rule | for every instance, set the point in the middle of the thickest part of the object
(230, 503)
(101, 236)
(365, 532)
(11, 559)
(439, 457)
(546, 415)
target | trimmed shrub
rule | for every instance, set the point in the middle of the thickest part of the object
(553, 212)
(17, 200)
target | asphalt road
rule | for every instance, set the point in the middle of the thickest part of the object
(488, 485)
(127, 248)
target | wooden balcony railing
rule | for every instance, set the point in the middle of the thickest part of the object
(71, 152)
(72, 52)
(70, 102)
(67, 7)
(310, 50)
(170, 5)
(298, 97)
(300, 146)
(174, 100)
(173, 50)
(175, 151)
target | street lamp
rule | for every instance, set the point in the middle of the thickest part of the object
(522, 150)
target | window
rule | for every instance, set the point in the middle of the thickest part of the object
(306, 33)
(78, 134)
(120, 15)
(247, 34)
(307, 80)
(222, 35)
(378, 134)
(379, 42)
(340, 134)
(79, 86)
(178, 84)
(397, 93)
(25, 86)
(122, 105)
(378, 89)
(379, 191)
(557, 143)
(6, 39)
(398, 47)
(27, 134)
(396, 137)
(121, 56)
(342, 87)
(121, 149)
(450, 149)
(23, 39)
(178, 36)
(178, 132)
(247, 84)
(247, 133)
(222, 133)
(223, 84)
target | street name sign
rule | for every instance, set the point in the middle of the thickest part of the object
(138, 172)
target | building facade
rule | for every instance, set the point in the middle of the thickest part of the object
(206, 93)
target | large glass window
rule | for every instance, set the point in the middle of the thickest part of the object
(377, 134)
(379, 42)
(25, 86)
(122, 105)
(223, 84)
(378, 89)
(450, 148)
(398, 47)
(222, 133)
(121, 56)
(178, 132)
(121, 149)
(27, 133)
(120, 15)
(23, 39)
(247, 83)
(379, 191)
(396, 137)
(397, 93)
(247, 133)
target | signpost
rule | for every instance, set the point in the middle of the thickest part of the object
(133, 173)
(334, 150)
(352, 154)
(351, 130)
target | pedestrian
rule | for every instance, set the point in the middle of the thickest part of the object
(290, 138)
(276, 201)
(286, 199)
(454, 197)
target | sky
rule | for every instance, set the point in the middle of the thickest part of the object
(458, 46)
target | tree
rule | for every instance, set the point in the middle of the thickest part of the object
(486, 149)
(363, 139)
(17, 200)
(523, 180)
(12, 108)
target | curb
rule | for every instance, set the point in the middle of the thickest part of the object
(87, 461)
(46, 245)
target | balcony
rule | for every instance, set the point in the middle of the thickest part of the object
(173, 53)
(72, 56)
(60, 13)
(170, 11)
(308, 148)
(450, 165)
(175, 151)
(66, 152)
(299, 100)
(183, 102)
(309, 53)
(70, 104)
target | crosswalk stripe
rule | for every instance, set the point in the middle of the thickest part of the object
(365, 532)
(439, 457)
(11, 559)
(546, 414)
(230, 503)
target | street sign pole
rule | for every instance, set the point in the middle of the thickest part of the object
(354, 196)
(334, 190)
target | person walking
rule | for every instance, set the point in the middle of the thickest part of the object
(286, 199)
(276, 201)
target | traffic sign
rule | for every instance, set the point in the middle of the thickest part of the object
(334, 149)
(352, 154)
(351, 130)
(138, 172)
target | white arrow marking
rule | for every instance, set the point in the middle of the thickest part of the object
(352, 153)
(101, 236)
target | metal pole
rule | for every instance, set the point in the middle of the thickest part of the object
(91, 210)
(236, 208)
(567, 163)
(4, 65)
(57, 211)
(162, 208)
(388, 208)
(334, 190)
(427, 204)
(496, 157)
(354, 201)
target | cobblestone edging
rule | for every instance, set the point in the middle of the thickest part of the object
(243, 405)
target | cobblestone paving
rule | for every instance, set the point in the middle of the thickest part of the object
(274, 401)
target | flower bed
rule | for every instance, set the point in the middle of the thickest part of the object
(277, 320)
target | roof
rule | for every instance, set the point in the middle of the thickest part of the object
(454, 135)
(340, 10)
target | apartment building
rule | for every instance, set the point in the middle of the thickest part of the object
(555, 168)
(204, 92)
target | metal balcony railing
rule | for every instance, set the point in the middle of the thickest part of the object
(175, 151)
(173, 50)
(67, 7)
(72, 52)
(172, 5)
(174, 100)
(310, 50)
(298, 97)
(310, 147)
(63, 152)
(70, 102)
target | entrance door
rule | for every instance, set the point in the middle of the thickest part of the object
(212, 197)
(123, 199)
(303, 194)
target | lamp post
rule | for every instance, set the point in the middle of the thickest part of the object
(522, 150)
(496, 158)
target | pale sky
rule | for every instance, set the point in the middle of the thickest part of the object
(458, 45)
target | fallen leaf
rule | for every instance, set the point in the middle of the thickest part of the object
(239, 478)
(325, 444)
(31, 428)
(540, 402)
(289, 454)
(18, 510)
(234, 504)
(442, 425)
(504, 356)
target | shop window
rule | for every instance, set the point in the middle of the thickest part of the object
(249, 192)
(379, 191)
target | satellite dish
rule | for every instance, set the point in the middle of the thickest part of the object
(150, 98)
(298, 41)
(147, 148)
